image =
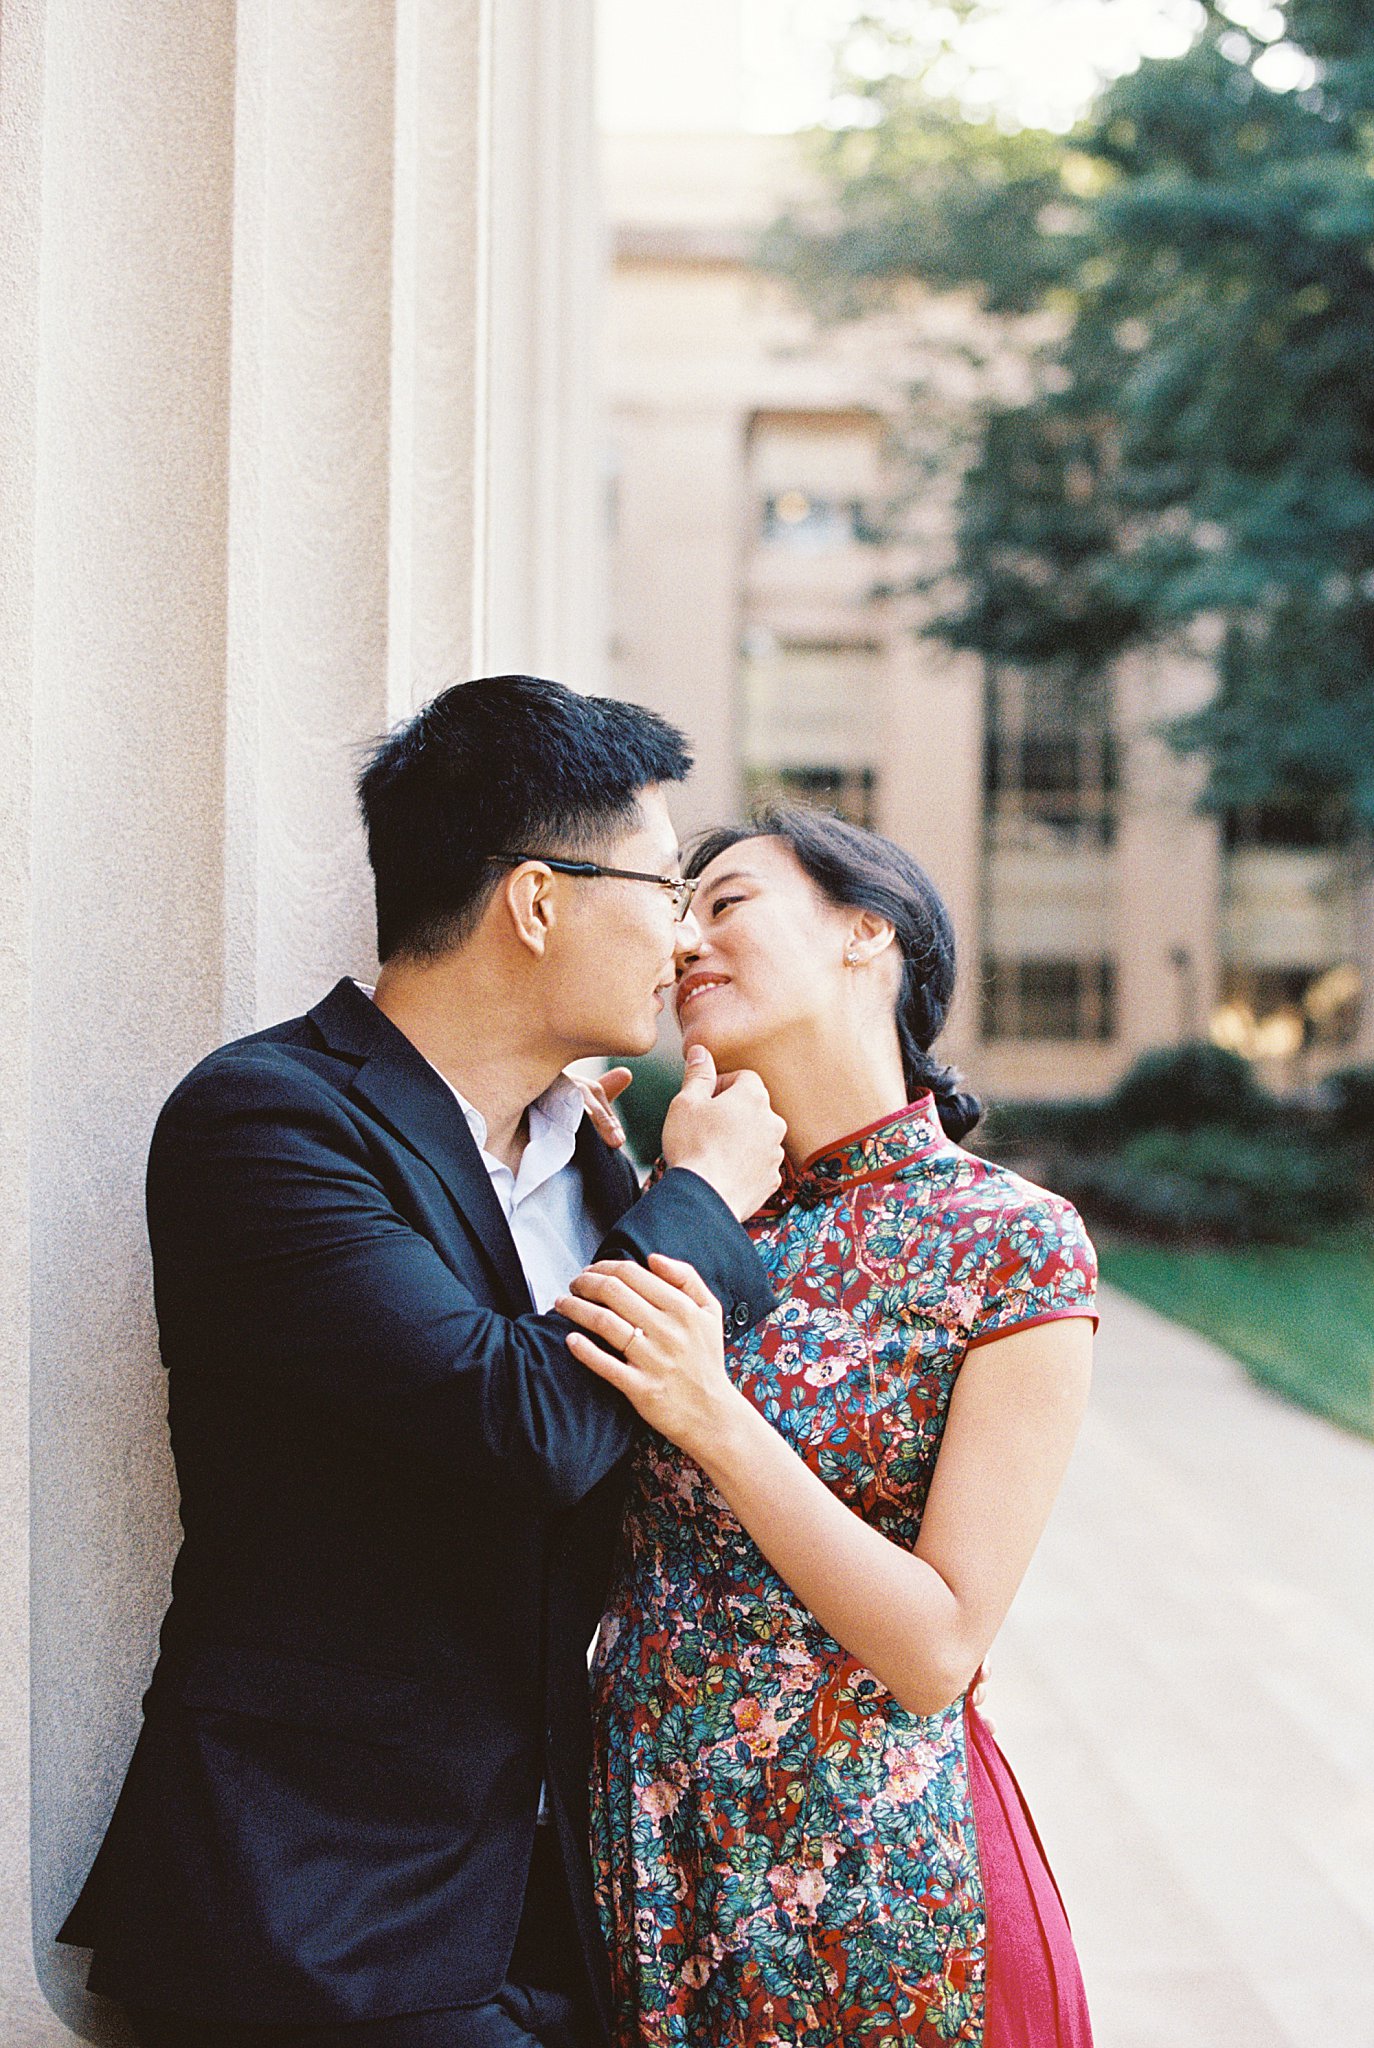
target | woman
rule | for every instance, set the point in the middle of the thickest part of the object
(804, 1833)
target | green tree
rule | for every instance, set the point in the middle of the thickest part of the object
(1200, 441)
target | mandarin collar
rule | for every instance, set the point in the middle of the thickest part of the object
(876, 1153)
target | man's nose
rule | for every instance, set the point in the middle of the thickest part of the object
(686, 941)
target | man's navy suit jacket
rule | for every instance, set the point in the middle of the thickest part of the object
(399, 1495)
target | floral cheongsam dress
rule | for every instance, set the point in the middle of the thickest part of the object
(784, 1853)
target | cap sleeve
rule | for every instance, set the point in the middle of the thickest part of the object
(1043, 1270)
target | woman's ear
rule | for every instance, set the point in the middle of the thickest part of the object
(869, 937)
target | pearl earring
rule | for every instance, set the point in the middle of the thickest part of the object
(851, 958)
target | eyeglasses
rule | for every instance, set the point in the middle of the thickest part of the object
(679, 888)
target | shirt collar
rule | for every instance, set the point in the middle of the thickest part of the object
(561, 1105)
(560, 1108)
(877, 1153)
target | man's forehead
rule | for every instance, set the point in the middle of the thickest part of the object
(654, 827)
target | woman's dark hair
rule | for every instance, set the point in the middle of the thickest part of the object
(505, 764)
(861, 870)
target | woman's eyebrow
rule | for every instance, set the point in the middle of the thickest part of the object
(735, 875)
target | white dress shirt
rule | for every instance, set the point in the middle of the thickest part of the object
(544, 1202)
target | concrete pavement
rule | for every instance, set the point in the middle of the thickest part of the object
(1185, 1689)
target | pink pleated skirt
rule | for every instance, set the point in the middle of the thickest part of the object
(1035, 1996)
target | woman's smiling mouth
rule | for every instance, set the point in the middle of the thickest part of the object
(694, 985)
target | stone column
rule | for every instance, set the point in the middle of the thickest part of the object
(311, 454)
(441, 355)
(930, 796)
(675, 597)
(118, 126)
(1169, 862)
(545, 598)
(24, 2014)
(268, 481)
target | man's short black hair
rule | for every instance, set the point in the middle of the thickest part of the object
(505, 764)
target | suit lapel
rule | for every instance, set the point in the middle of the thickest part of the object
(417, 1104)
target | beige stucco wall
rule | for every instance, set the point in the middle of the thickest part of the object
(297, 425)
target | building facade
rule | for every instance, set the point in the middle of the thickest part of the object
(760, 463)
(298, 425)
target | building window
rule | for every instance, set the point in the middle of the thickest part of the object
(810, 722)
(1288, 937)
(1278, 1012)
(818, 479)
(811, 525)
(1050, 762)
(1055, 999)
(852, 792)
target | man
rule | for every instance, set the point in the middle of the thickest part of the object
(356, 1814)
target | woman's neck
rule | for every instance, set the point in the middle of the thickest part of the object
(824, 1093)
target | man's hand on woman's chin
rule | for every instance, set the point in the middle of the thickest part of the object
(722, 1127)
(726, 1130)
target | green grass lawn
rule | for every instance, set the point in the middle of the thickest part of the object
(1299, 1317)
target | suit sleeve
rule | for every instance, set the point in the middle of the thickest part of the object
(277, 1250)
(682, 1216)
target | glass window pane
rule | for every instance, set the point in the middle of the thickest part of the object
(808, 525)
(1049, 999)
(852, 792)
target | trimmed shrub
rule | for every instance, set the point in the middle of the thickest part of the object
(1033, 1127)
(1218, 1183)
(1177, 1088)
(644, 1104)
(1181, 1087)
(1351, 1096)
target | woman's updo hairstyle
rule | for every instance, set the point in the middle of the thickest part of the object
(860, 870)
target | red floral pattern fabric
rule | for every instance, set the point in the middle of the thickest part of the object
(784, 1853)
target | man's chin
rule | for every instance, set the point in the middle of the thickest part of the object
(634, 1044)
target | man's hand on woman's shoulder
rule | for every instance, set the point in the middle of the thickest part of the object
(600, 1096)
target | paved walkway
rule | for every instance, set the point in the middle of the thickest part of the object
(1186, 1691)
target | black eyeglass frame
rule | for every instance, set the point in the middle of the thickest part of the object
(682, 888)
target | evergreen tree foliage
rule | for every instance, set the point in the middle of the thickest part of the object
(1200, 439)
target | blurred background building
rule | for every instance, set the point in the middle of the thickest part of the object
(771, 567)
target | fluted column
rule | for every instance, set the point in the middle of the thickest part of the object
(24, 2014)
(545, 566)
(119, 126)
(309, 544)
(291, 435)
(441, 356)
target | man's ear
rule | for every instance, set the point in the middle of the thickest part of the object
(528, 900)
